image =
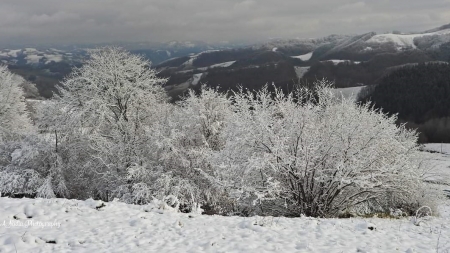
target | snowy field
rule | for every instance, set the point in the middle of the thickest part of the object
(59, 225)
(78, 226)
(439, 163)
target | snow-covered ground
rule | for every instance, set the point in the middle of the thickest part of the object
(439, 165)
(443, 148)
(60, 225)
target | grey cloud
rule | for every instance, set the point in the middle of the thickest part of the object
(70, 21)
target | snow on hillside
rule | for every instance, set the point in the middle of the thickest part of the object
(33, 59)
(304, 57)
(30, 50)
(336, 62)
(34, 56)
(348, 93)
(13, 53)
(53, 57)
(196, 78)
(223, 64)
(300, 71)
(190, 62)
(403, 40)
(59, 225)
(193, 57)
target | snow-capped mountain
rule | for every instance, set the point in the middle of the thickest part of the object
(349, 60)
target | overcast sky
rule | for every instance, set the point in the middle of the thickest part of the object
(86, 21)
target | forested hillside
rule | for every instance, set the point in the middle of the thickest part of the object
(420, 95)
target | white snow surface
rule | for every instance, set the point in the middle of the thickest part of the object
(304, 57)
(403, 40)
(60, 225)
(218, 65)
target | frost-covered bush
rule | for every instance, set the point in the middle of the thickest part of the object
(30, 166)
(189, 137)
(320, 156)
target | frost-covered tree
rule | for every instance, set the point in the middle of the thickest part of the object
(319, 156)
(30, 166)
(14, 117)
(102, 115)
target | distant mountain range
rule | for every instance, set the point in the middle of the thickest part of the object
(156, 52)
(349, 60)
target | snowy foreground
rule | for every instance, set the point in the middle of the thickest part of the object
(59, 225)
(77, 226)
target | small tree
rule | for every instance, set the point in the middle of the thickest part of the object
(14, 117)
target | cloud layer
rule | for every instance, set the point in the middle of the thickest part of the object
(86, 21)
